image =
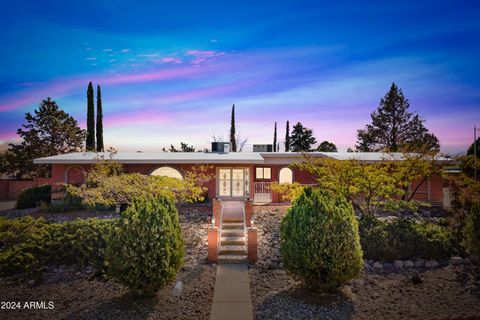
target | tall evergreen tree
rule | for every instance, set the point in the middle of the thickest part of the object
(100, 147)
(90, 143)
(233, 139)
(301, 139)
(287, 137)
(275, 138)
(48, 131)
(394, 128)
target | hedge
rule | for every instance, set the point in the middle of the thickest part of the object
(405, 239)
(27, 245)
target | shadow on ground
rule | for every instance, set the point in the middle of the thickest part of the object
(301, 303)
(124, 307)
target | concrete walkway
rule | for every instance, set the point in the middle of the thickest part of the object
(231, 297)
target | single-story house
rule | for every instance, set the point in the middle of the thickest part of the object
(237, 175)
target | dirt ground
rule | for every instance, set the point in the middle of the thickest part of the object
(77, 295)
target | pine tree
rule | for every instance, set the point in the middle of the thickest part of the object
(301, 139)
(233, 139)
(287, 137)
(394, 128)
(100, 147)
(90, 143)
(48, 131)
(275, 138)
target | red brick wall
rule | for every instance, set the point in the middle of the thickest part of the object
(11, 189)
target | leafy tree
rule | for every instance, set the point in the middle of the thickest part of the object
(471, 149)
(100, 147)
(47, 132)
(107, 185)
(184, 147)
(394, 128)
(326, 146)
(275, 138)
(287, 137)
(233, 137)
(301, 139)
(369, 186)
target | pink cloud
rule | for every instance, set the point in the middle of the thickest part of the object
(201, 52)
(171, 60)
(61, 87)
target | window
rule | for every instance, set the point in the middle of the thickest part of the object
(285, 176)
(263, 173)
(167, 172)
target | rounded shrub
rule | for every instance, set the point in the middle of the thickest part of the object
(471, 232)
(320, 244)
(145, 248)
(33, 197)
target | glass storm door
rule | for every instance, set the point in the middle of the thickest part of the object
(233, 183)
(238, 183)
(225, 183)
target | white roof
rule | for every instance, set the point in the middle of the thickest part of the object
(154, 157)
(212, 157)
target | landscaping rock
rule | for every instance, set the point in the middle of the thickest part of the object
(456, 261)
(408, 264)
(388, 266)
(398, 264)
(432, 264)
(177, 289)
(377, 266)
(419, 263)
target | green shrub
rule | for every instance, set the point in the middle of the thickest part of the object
(68, 204)
(145, 248)
(27, 245)
(471, 233)
(319, 240)
(33, 197)
(405, 239)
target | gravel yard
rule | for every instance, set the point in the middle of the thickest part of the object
(409, 294)
(78, 295)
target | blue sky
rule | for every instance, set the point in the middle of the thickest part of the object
(170, 71)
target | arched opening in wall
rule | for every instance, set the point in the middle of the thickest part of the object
(285, 176)
(167, 172)
(75, 175)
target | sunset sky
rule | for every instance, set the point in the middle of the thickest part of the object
(171, 70)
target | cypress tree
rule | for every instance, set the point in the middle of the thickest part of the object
(275, 138)
(287, 137)
(100, 147)
(90, 143)
(233, 141)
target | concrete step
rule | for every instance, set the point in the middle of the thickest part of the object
(233, 249)
(222, 259)
(232, 240)
(232, 225)
(233, 219)
(232, 233)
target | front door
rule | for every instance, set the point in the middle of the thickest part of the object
(233, 183)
